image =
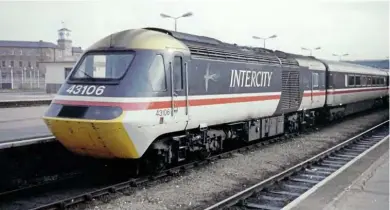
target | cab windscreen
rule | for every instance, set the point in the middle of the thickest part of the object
(104, 65)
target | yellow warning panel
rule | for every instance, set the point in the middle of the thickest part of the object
(96, 138)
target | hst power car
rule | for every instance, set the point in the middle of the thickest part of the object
(169, 95)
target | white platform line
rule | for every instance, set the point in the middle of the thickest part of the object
(330, 177)
(18, 143)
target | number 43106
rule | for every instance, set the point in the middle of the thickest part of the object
(86, 90)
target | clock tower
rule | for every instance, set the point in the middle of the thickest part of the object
(64, 41)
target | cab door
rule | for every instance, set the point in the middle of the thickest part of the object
(179, 89)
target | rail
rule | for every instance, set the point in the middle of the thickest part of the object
(277, 191)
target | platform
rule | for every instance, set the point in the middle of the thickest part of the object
(363, 185)
(20, 123)
(18, 96)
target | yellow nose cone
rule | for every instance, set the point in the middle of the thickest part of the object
(95, 138)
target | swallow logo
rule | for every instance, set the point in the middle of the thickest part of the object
(209, 76)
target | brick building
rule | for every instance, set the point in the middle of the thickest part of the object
(20, 60)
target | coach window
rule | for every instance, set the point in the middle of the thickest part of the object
(157, 74)
(369, 81)
(373, 81)
(357, 81)
(364, 81)
(351, 80)
(315, 79)
(178, 73)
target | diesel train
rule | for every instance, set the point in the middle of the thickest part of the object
(166, 96)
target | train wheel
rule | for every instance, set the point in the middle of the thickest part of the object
(153, 163)
(204, 154)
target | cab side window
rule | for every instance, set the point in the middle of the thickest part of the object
(178, 73)
(157, 77)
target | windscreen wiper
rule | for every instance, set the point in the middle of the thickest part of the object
(85, 73)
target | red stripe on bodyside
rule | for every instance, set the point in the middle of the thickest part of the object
(167, 104)
(332, 92)
(321, 93)
(356, 91)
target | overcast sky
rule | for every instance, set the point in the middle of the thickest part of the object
(357, 27)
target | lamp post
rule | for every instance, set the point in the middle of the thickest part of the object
(22, 77)
(310, 50)
(12, 76)
(264, 39)
(31, 77)
(341, 55)
(37, 78)
(188, 14)
(24, 70)
(1, 79)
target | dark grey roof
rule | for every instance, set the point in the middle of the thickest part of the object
(383, 64)
(27, 44)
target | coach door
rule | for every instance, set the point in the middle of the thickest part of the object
(314, 89)
(179, 88)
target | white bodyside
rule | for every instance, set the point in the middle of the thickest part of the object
(347, 95)
(143, 133)
(143, 126)
(313, 98)
(342, 96)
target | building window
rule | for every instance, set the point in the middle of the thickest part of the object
(29, 64)
(3, 63)
(12, 64)
(20, 63)
(37, 64)
(67, 72)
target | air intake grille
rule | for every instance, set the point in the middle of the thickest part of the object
(290, 89)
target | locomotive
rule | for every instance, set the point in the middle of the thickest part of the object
(164, 96)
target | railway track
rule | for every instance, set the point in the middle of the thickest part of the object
(281, 190)
(36, 162)
(134, 182)
(108, 187)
